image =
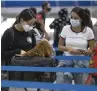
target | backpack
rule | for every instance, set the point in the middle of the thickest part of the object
(5, 74)
(3, 62)
(35, 62)
(12, 34)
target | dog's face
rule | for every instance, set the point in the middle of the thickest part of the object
(45, 48)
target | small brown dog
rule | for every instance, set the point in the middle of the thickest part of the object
(42, 49)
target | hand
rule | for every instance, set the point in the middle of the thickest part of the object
(74, 51)
(22, 52)
(85, 52)
(18, 55)
(61, 64)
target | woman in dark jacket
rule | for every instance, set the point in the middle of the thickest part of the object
(19, 38)
(38, 56)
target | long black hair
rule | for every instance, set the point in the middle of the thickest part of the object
(26, 15)
(87, 11)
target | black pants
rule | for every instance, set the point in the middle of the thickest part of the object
(59, 53)
(95, 79)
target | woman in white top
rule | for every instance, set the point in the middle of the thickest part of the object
(79, 40)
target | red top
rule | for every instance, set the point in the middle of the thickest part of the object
(39, 16)
(95, 60)
(95, 56)
(95, 49)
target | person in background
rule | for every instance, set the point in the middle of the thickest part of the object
(94, 58)
(46, 8)
(93, 64)
(92, 78)
(79, 41)
(39, 28)
(58, 25)
(95, 31)
(93, 27)
(41, 16)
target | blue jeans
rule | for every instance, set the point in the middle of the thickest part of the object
(67, 77)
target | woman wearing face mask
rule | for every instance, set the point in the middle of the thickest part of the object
(79, 40)
(19, 38)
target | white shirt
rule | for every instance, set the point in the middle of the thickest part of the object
(38, 36)
(76, 40)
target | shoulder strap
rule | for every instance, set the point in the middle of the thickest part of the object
(12, 34)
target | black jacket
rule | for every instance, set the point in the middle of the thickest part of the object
(31, 61)
(13, 41)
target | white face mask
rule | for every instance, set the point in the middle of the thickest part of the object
(27, 28)
(75, 23)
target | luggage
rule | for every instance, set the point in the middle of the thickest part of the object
(33, 61)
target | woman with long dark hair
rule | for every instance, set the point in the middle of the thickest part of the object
(18, 39)
(79, 41)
